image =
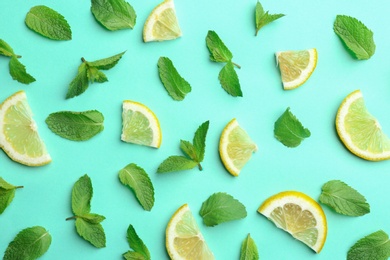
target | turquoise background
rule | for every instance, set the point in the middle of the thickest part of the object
(45, 198)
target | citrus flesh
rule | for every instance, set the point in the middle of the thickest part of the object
(184, 239)
(299, 215)
(296, 67)
(235, 147)
(140, 125)
(19, 136)
(162, 23)
(361, 132)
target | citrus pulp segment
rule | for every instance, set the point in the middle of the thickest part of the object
(184, 241)
(140, 125)
(299, 215)
(162, 23)
(360, 132)
(19, 136)
(235, 147)
(296, 66)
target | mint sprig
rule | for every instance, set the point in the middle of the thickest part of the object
(7, 194)
(90, 72)
(194, 151)
(249, 249)
(49, 23)
(263, 18)
(220, 53)
(30, 243)
(16, 69)
(114, 14)
(375, 246)
(87, 224)
(139, 182)
(221, 207)
(140, 252)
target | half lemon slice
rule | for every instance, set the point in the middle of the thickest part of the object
(360, 132)
(296, 67)
(19, 136)
(140, 125)
(184, 241)
(299, 215)
(162, 23)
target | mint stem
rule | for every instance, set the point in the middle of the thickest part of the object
(200, 167)
(83, 60)
(19, 187)
(70, 218)
(235, 64)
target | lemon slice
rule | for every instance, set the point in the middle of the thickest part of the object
(140, 125)
(184, 241)
(299, 215)
(296, 66)
(360, 132)
(19, 136)
(162, 23)
(235, 147)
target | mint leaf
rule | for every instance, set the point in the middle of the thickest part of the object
(249, 249)
(93, 218)
(375, 246)
(229, 80)
(106, 63)
(95, 75)
(176, 86)
(221, 207)
(218, 50)
(76, 126)
(139, 182)
(264, 18)
(18, 71)
(114, 14)
(199, 141)
(176, 163)
(5, 49)
(136, 243)
(49, 23)
(344, 199)
(356, 36)
(80, 83)
(81, 196)
(7, 194)
(289, 131)
(188, 149)
(30, 243)
(91, 232)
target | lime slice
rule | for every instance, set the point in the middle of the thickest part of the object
(19, 136)
(140, 125)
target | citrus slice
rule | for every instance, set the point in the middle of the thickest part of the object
(184, 241)
(360, 132)
(140, 125)
(296, 66)
(19, 136)
(299, 215)
(235, 147)
(162, 23)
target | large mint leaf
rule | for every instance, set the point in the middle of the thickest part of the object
(229, 80)
(80, 83)
(92, 232)
(7, 194)
(199, 141)
(218, 50)
(49, 23)
(106, 63)
(375, 246)
(114, 14)
(81, 196)
(176, 163)
(5, 49)
(136, 243)
(249, 249)
(18, 71)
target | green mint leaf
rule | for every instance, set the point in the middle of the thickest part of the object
(91, 232)
(93, 218)
(249, 249)
(18, 71)
(30, 243)
(221, 207)
(80, 83)
(176, 163)
(200, 141)
(229, 80)
(344, 199)
(49, 23)
(218, 51)
(176, 86)
(7, 194)
(375, 246)
(114, 14)
(139, 182)
(263, 18)
(106, 63)
(95, 75)
(5, 49)
(356, 36)
(76, 126)
(289, 131)
(136, 243)
(81, 196)
(189, 150)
